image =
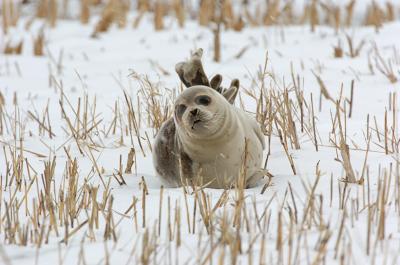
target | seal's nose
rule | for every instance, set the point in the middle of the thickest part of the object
(194, 112)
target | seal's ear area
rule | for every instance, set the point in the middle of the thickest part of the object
(191, 72)
(215, 83)
(231, 93)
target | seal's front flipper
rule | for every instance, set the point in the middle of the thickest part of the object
(192, 72)
(254, 180)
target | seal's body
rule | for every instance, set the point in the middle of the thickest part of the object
(209, 141)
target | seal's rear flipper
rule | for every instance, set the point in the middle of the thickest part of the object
(231, 93)
(215, 83)
(191, 72)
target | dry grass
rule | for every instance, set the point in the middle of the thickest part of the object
(179, 12)
(13, 49)
(338, 50)
(39, 207)
(114, 12)
(85, 11)
(67, 206)
(38, 44)
(4, 14)
(275, 12)
(10, 12)
(386, 65)
(158, 15)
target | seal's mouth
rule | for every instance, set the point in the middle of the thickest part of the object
(195, 122)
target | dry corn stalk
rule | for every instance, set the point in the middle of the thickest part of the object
(52, 16)
(217, 42)
(390, 12)
(206, 13)
(272, 12)
(238, 24)
(114, 11)
(38, 44)
(158, 15)
(385, 66)
(4, 15)
(306, 14)
(375, 16)
(17, 49)
(218, 19)
(137, 20)
(85, 11)
(344, 150)
(42, 9)
(336, 18)
(354, 51)
(228, 14)
(130, 161)
(143, 5)
(287, 13)
(179, 12)
(314, 20)
(349, 12)
(13, 16)
(324, 90)
(338, 50)
(105, 21)
(121, 8)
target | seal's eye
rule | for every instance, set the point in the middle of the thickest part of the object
(180, 109)
(203, 100)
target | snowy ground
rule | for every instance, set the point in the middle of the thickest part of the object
(334, 223)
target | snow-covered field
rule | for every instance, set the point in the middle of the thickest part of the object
(70, 118)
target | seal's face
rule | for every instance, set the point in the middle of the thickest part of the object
(198, 111)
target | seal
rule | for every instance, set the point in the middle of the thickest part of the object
(208, 141)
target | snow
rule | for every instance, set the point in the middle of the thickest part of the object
(102, 69)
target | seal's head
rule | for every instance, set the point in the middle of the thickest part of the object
(200, 111)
